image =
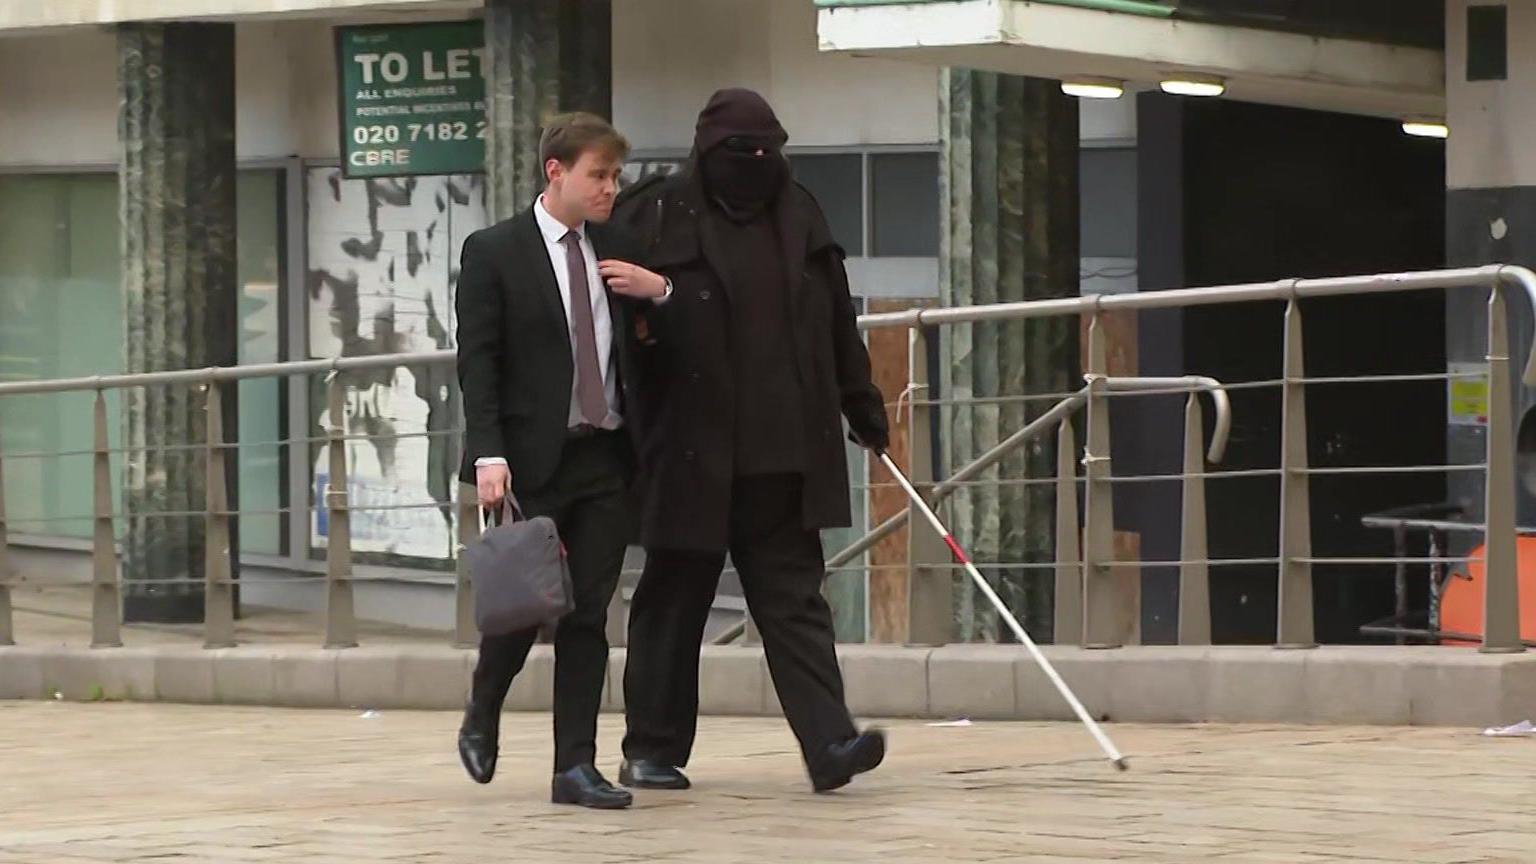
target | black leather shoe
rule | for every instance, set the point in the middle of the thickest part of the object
(477, 746)
(646, 774)
(843, 761)
(585, 786)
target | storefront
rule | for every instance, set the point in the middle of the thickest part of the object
(363, 261)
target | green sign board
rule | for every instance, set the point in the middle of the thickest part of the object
(412, 98)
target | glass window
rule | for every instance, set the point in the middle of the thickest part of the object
(258, 201)
(61, 315)
(1108, 195)
(837, 181)
(639, 169)
(904, 204)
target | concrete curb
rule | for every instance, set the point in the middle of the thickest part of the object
(1344, 685)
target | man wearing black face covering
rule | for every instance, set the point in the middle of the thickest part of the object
(749, 370)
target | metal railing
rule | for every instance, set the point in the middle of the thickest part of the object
(1092, 604)
(1104, 599)
(106, 582)
(1058, 419)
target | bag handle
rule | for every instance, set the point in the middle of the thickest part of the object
(509, 507)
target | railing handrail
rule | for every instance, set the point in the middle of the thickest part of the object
(203, 375)
(1284, 289)
(1201, 383)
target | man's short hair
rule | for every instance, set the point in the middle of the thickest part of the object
(567, 136)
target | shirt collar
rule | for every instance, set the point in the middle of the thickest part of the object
(550, 227)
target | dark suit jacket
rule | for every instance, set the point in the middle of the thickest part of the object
(688, 384)
(515, 366)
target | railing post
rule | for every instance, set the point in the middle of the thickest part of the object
(218, 590)
(106, 597)
(930, 582)
(1194, 573)
(1400, 582)
(750, 635)
(1103, 601)
(617, 628)
(7, 628)
(1501, 588)
(465, 633)
(1294, 628)
(1068, 627)
(340, 621)
(1437, 547)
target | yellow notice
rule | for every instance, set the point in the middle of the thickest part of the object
(1468, 397)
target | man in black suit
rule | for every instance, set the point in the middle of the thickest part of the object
(547, 369)
(756, 359)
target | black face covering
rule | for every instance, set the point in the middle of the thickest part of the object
(733, 129)
(743, 180)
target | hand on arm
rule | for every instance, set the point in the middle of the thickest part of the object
(632, 280)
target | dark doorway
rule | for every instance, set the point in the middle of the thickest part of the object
(1265, 193)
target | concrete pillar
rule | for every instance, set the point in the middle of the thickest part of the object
(176, 146)
(1490, 212)
(1009, 232)
(545, 57)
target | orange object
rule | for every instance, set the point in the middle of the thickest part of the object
(1461, 607)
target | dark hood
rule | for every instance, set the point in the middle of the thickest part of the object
(737, 111)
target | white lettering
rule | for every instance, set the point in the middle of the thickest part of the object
(375, 158)
(366, 61)
(458, 63)
(394, 67)
(427, 71)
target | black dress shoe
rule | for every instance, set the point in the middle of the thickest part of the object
(843, 761)
(585, 786)
(477, 746)
(646, 774)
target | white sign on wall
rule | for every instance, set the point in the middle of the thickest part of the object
(383, 269)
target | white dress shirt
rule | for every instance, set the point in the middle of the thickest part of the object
(553, 231)
(597, 300)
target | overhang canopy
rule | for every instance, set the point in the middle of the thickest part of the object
(1141, 43)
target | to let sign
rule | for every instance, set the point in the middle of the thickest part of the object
(412, 98)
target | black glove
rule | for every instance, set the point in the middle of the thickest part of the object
(872, 432)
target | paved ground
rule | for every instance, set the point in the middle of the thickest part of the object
(142, 783)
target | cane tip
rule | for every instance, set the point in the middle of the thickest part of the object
(1122, 764)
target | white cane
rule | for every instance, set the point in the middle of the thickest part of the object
(1105, 744)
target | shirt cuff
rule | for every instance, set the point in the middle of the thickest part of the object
(483, 461)
(666, 295)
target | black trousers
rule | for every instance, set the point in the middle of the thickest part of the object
(781, 568)
(586, 498)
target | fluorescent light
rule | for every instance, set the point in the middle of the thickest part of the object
(1093, 88)
(1426, 127)
(1194, 85)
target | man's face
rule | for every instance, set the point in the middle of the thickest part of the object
(587, 188)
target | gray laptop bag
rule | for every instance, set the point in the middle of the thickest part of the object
(519, 572)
